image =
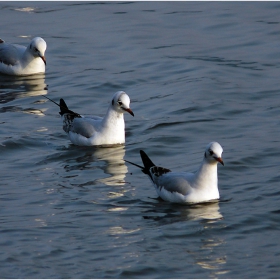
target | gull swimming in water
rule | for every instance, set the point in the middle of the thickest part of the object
(94, 130)
(19, 60)
(183, 187)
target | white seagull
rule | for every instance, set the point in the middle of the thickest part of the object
(93, 130)
(19, 60)
(182, 187)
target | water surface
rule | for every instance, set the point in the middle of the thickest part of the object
(195, 72)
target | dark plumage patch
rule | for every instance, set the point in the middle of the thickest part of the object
(5, 62)
(113, 102)
(147, 163)
(64, 110)
(159, 171)
(149, 166)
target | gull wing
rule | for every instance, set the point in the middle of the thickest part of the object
(80, 126)
(171, 181)
(165, 178)
(10, 54)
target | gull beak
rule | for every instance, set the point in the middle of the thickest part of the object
(129, 111)
(220, 160)
(44, 59)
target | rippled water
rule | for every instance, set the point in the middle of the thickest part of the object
(195, 72)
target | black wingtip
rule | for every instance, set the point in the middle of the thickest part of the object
(147, 162)
(64, 109)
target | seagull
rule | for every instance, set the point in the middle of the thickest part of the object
(94, 130)
(183, 187)
(18, 60)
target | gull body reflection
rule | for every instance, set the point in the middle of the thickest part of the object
(176, 212)
(108, 159)
(197, 226)
(12, 87)
(114, 164)
(206, 211)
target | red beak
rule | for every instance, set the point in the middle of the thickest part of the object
(129, 111)
(44, 59)
(220, 160)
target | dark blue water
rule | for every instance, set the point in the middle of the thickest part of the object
(195, 72)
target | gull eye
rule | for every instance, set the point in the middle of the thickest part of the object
(120, 103)
(211, 152)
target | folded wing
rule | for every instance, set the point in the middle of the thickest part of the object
(9, 54)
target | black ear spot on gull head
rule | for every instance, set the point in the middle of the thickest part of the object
(113, 102)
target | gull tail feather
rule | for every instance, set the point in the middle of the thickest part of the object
(147, 163)
(63, 107)
(146, 160)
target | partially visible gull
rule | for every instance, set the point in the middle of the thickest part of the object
(19, 60)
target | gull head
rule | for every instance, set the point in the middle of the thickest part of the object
(38, 47)
(213, 153)
(120, 102)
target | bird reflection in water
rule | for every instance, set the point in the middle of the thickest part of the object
(210, 254)
(12, 88)
(114, 166)
(202, 242)
(208, 211)
(112, 157)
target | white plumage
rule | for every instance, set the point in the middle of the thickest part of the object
(183, 187)
(19, 60)
(94, 130)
